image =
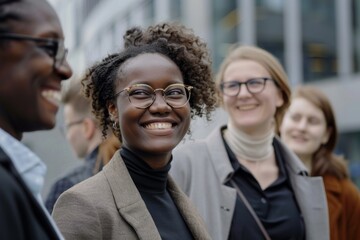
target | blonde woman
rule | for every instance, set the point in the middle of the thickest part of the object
(245, 182)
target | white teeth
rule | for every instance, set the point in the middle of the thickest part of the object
(247, 107)
(159, 125)
(52, 96)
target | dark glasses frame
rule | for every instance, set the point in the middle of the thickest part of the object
(57, 45)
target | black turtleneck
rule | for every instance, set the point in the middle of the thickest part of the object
(152, 185)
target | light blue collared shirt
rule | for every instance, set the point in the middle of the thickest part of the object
(30, 167)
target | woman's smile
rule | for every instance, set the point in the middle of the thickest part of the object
(158, 126)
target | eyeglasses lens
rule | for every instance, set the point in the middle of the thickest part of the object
(175, 95)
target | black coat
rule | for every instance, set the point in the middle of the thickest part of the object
(21, 216)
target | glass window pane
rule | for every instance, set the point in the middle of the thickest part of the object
(270, 26)
(149, 10)
(225, 22)
(175, 9)
(349, 147)
(356, 33)
(319, 39)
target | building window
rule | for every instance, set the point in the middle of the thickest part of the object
(149, 11)
(270, 26)
(175, 9)
(349, 146)
(356, 33)
(225, 22)
(319, 39)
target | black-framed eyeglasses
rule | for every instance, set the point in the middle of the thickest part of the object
(142, 95)
(53, 47)
(253, 85)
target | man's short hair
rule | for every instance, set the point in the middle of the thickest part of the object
(72, 94)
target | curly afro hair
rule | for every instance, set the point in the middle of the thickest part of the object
(174, 41)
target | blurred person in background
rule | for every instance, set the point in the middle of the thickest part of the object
(309, 129)
(83, 132)
(245, 182)
(32, 66)
(147, 94)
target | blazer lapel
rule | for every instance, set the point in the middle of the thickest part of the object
(188, 212)
(127, 198)
(310, 195)
(218, 155)
(220, 160)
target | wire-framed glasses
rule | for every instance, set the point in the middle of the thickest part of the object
(53, 47)
(64, 128)
(142, 95)
(253, 85)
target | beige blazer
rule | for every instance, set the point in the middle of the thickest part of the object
(109, 206)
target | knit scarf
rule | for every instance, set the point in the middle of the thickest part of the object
(250, 148)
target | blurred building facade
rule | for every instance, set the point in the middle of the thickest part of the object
(318, 42)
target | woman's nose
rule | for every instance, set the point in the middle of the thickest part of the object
(302, 124)
(243, 91)
(159, 104)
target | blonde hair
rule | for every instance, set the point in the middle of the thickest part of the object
(270, 63)
(72, 94)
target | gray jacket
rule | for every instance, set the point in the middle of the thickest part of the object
(202, 167)
(108, 206)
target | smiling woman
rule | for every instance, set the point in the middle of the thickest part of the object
(32, 66)
(246, 183)
(309, 129)
(147, 94)
(159, 127)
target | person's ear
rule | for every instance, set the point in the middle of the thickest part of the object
(113, 111)
(90, 128)
(279, 98)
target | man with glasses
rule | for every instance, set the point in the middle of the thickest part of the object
(32, 66)
(53, 47)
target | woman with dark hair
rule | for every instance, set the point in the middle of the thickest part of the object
(32, 66)
(309, 129)
(147, 94)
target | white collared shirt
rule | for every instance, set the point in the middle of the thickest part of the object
(30, 167)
